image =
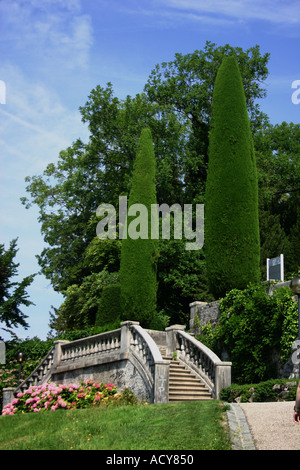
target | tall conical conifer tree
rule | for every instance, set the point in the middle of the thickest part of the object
(139, 255)
(231, 202)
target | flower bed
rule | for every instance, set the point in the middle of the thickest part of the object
(50, 397)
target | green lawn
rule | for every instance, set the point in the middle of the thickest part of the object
(174, 426)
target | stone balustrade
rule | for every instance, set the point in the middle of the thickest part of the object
(129, 357)
(90, 347)
(216, 374)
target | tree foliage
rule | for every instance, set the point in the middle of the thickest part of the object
(139, 256)
(13, 293)
(252, 326)
(79, 309)
(176, 106)
(186, 85)
(109, 310)
(231, 200)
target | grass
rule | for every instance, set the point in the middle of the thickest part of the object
(174, 426)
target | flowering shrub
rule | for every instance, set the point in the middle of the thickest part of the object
(50, 397)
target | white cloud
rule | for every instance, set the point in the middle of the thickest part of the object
(274, 11)
(50, 30)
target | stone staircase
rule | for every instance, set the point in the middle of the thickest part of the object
(183, 384)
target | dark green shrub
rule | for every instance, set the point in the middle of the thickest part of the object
(269, 390)
(252, 325)
(109, 307)
(231, 242)
(139, 256)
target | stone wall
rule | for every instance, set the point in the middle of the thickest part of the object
(120, 373)
(208, 312)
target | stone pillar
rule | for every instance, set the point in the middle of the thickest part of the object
(172, 343)
(126, 336)
(161, 382)
(222, 377)
(57, 353)
(8, 396)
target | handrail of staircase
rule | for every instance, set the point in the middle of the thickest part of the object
(154, 367)
(216, 374)
(145, 350)
(39, 374)
(153, 348)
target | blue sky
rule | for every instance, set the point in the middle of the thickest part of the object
(54, 52)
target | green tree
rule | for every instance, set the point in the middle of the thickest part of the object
(79, 308)
(12, 293)
(231, 199)
(139, 256)
(278, 161)
(186, 84)
(176, 105)
(109, 310)
(88, 174)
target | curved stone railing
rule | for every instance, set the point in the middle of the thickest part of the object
(216, 374)
(150, 363)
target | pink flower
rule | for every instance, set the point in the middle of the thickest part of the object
(29, 400)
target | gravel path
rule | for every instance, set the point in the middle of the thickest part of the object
(271, 425)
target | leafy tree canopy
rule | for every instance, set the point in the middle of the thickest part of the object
(176, 105)
(12, 293)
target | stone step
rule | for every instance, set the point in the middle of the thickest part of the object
(189, 393)
(184, 385)
(187, 386)
(187, 381)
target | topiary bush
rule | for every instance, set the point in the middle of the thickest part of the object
(232, 244)
(109, 306)
(138, 267)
